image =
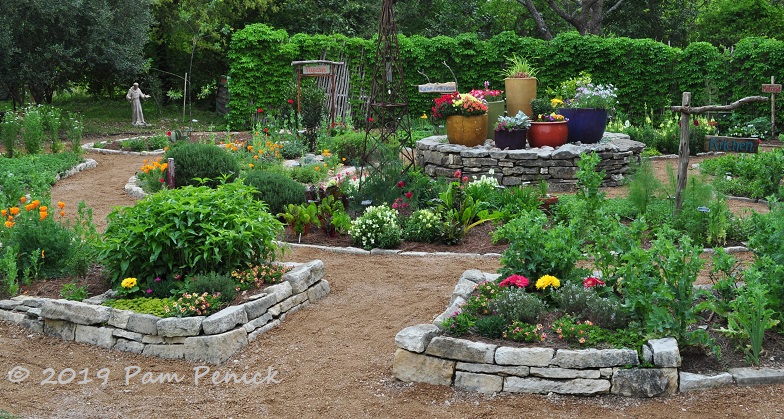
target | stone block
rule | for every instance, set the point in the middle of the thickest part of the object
(257, 322)
(119, 318)
(753, 376)
(492, 369)
(595, 358)
(640, 382)
(563, 172)
(126, 345)
(305, 275)
(318, 291)
(75, 312)
(165, 351)
(224, 320)
(665, 352)
(215, 349)
(35, 325)
(33, 313)
(98, 336)
(416, 338)
(155, 340)
(294, 309)
(125, 334)
(480, 383)
(412, 367)
(256, 333)
(461, 349)
(281, 291)
(59, 328)
(12, 317)
(292, 301)
(690, 382)
(450, 311)
(34, 302)
(176, 326)
(175, 340)
(258, 307)
(9, 304)
(531, 357)
(143, 323)
(463, 289)
(563, 373)
(577, 386)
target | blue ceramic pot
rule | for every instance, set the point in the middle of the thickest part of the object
(586, 125)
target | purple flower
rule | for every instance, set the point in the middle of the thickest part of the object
(157, 279)
(149, 291)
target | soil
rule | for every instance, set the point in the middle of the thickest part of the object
(332, 359)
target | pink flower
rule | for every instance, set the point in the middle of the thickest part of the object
(149, 291)
(465, 178)
(518, 281)
(291, 101)
(458, 173)
(592, 282)
(370, 119)
(157, 279)
(259, 110)
(409, 194)
(168, 133)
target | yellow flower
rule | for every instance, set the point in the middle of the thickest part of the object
(547, 281)
(555, 102)
(316, 168)
(424, 116)
(128, 283)
(250, 165)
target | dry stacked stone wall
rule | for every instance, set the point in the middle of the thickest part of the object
(557, 166)
(212, 339)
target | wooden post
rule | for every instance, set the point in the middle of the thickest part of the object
(170, 172)
(683, 152)
(772, 111)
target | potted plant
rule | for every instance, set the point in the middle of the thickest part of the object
(495, 105)
(586, 104)
(520, 83)
(510, 131)
(466, 118)
(548, 128)
(545, 198)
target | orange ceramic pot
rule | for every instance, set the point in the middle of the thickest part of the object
(553, 134)
(469, 131)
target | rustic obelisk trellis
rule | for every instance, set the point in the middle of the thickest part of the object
(683, 152)
(387, 117)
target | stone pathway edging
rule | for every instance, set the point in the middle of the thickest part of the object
(213, 339)
(90, 147)
(86, 164)
(426, 355)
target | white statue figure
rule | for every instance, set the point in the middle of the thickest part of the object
(134, 96)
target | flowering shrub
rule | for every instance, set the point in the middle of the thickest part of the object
(153, 175)
(458, 323)
(377, 227)
(524, 332)
(193, 305)
(550, 117)
(479, 302)
(423, 226)
(259, 275)
(458, 104)
(581, 92)
(515, 304)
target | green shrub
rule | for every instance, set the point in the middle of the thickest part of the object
(423, 226)
(458, 324)
(350, 146)
(9, 133)
(492, 326)
(515, 304)
(293, 148)
(189, 231)
(158, 142)
(144, 305)
(276, 189)
(309, 173)
(33, 131)
(223, 285)
(377, 227)
(193, 161)
(71, 291)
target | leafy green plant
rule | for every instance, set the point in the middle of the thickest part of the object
(33, 130)
(518, 67)
(515, 304)
(74, 129)
(377, 227)
(525, 332)
(9, 133)
(312, 100)
(52, 119)
(71, 291)
(193, 230)
(309, 173)
(222, 286)
(643, 187)
(144, 305)
(195, 161)
(460, 213)
(9, 270)
(492, 326)
(276, 189)
(458, 323)
(537, 248)
(423, 226)
(328, 208)
(299, 217)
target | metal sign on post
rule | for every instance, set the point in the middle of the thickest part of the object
(773, 89)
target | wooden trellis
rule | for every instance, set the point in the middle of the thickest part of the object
(683, 151)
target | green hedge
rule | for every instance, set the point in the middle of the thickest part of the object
(650, 75)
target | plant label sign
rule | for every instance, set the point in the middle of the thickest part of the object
(449, 87)
(731, 144)
(316, 70)
(771, 88)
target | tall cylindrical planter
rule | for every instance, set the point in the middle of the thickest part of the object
(469, 131)
(553, 134)
(494, 110)
(586, 125)
(512, 140)
(519, 93)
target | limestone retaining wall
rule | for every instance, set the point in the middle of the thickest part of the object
(515, 167)
(425, 354)
(212, 339)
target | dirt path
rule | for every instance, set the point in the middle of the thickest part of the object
(333, 359)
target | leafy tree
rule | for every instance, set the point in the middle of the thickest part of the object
(668, 21)
(585, 16)
(48, 43)
(726, 22)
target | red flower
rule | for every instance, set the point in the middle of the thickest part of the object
(409, 194)
(518, 281)
(592, 282)
(696, 123)
(457, 174)
(266, 130)
(370, 119)
(291, 101)
(259, 110)
(401, 184)
(161, 179)
(465, 178)
(168, 133)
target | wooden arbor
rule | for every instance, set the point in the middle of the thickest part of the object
(387, 117)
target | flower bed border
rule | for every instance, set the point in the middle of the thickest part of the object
(213, 339)
(425, 355)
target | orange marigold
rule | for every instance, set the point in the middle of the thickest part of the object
(14, 210)
(23, 199)
(43, 215)
(60, 204)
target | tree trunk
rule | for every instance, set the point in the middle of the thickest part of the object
(538, 19)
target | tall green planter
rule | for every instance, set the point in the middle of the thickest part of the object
(494, 110)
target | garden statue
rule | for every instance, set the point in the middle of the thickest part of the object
(134, 96)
